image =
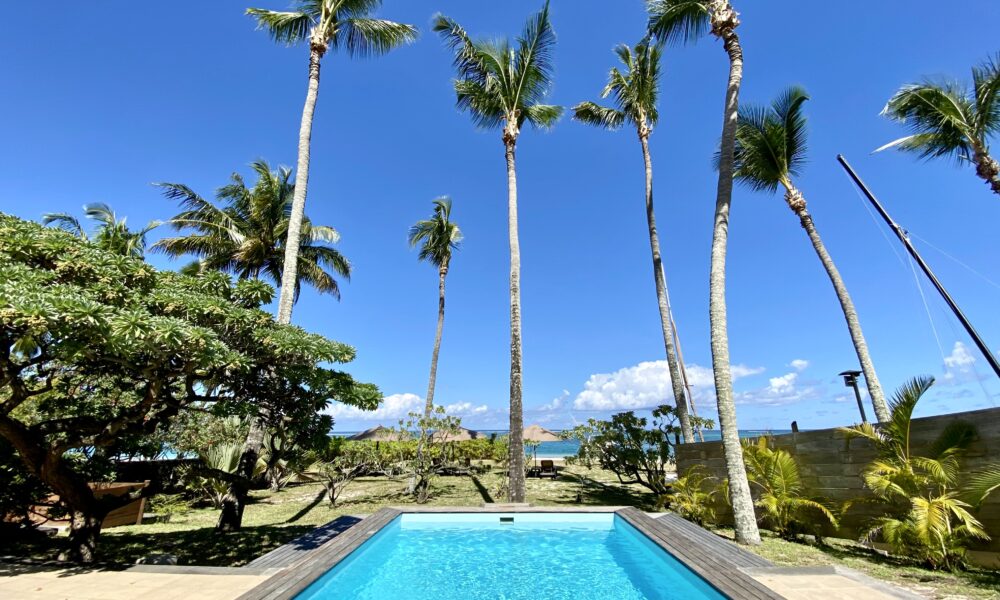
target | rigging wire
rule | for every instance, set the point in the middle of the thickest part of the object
(957, 261)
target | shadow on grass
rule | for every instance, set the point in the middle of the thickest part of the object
(308, 507)
(485, 493)
(592, 492)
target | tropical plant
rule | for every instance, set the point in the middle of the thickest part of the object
(685, 21)
(588, 453)
(636, 453)
(245, 231)
(946, 118)
(437, 237)
(781, 496)
(770, 152)
(99, 349)
(111, 234)
(429, 447)
(635, 92)
(924, 516)
(220, 463)
(502, 85)
(341, 25)
(982, 484)
(338, 473)
(692, 496)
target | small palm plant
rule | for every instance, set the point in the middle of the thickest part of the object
(245, 231)
(926, 519)
(780, 495)
(949, 119)
(770, 152)
(635, 91)
(692, 496)
(502, 85)
(341, 25)
(111, 234)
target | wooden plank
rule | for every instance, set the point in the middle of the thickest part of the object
(291, 552)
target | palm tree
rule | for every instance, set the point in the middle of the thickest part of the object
(502, 85)
(111, 234)
(770, 150)
(437, 238)
(635, 93)
(683, 21)
(245, 235)
(326, 24)
(948, 119)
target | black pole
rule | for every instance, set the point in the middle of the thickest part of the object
(901, 234)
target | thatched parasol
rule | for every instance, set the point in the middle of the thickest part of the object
(461, 435)
(538, 434)
(378, 434)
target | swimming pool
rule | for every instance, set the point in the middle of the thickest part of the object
(509, 556)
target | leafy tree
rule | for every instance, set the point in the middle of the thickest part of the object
(97, 347)
(947, 118)
(636, 453)
(502, 85)
(692, 496)
(338, 472)
(635, 92)
(111, 234)
(429, 447)
(780, 493)
(588, 453)
(342, 25)
(437, 237)
(244, 233)
(770, 151)
(924, 515)
(685, 21)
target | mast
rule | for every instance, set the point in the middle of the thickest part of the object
(905, 239)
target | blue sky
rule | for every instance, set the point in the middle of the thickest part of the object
(108, 97)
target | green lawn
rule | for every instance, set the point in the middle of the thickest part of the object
(273, 519)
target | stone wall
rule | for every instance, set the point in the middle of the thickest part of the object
(831, 467)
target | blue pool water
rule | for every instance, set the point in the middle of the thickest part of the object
(537, 557)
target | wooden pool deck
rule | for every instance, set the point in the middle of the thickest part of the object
(711, 557)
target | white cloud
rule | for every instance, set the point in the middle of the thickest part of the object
(799, 364)
(960, 358)
(462, 409)
(785, 389)
(783, 384)
(645, 384)
(556, 403)
(392, 407)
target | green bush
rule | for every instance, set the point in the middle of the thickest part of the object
(692, 496)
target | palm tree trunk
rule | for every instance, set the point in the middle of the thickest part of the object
(432, 380)
(289, 274)
(987, 169)
(661, 297)
(516, 493)
(235, 500)
(724, 22)
(798, 205)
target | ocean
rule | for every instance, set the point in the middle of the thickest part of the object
(565, 448)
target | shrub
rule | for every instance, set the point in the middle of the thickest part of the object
(692, 496)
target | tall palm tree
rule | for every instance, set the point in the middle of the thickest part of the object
(325, 24)
(635, 92)
(502, 85)
(770, 151)
(437, 237)
(949, 119)
(244, 233)
(111, 233)
(684, 21)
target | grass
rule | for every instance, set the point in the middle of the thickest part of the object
(974, 584)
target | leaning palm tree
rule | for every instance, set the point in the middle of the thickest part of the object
(770, 151)
(502, 85)
(111, 234)
(326, 24)
(683, 21)
(635, 92)
(948, 119)
(437, 237)
(245, 231)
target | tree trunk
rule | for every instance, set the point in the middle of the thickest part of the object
(516, 492)
(798, 205)
(85, 527)
(235, 500)
(659, 279)
(724, 21)
(432, 380)
(988, 170)
(289, 274)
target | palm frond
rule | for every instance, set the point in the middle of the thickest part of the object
(597, 115)
(939, 116)
(284, 27)
(986, 87)
(678, 20)
(543, 116)
(983, 483)
(372, 37)
(65, 222)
